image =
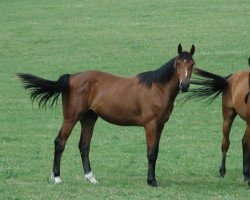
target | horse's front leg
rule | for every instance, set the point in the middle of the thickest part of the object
(153, 134)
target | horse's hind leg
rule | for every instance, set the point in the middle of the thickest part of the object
(87, 123)
(228, 118)
(246, 148)
(60, 143)
(246, 154)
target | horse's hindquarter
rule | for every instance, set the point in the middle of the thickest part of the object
(238, 88)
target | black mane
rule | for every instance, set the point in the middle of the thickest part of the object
(161, 75)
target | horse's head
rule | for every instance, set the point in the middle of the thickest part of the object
(184, 64)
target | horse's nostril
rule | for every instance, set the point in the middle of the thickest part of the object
(184, 87)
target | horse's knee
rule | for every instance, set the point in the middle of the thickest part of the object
(151, 156)
(83, 147)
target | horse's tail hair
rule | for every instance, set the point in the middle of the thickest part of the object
(209, 86)
(43, 90)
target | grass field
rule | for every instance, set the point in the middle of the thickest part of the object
(50, 38)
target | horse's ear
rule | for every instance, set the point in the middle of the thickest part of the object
(192, 50)
(179, 49)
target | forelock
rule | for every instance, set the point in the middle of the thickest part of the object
(185, 56)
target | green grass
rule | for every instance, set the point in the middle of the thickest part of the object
(50, 38)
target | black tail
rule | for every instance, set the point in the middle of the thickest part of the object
(44, 90)
(211, 85)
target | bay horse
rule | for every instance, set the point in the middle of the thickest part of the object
(146, 100)
(235, 90)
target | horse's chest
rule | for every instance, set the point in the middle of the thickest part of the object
(163, 112)
(167, 112)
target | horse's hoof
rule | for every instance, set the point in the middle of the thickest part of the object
(222, 175)
(222, 172)
(247, 178)
(153, 183)
(90, 178)
(55, 180)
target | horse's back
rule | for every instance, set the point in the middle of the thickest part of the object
(92, 80)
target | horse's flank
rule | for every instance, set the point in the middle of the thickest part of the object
(234, 96)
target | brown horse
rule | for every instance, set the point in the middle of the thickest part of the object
(144, 100)
(235, 101)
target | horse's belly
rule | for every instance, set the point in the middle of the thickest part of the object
(119, 119)
(119, 115)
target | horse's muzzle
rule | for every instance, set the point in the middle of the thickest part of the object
(184, 87)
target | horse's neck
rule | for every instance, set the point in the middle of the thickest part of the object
(172, 87)
(168, 92)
